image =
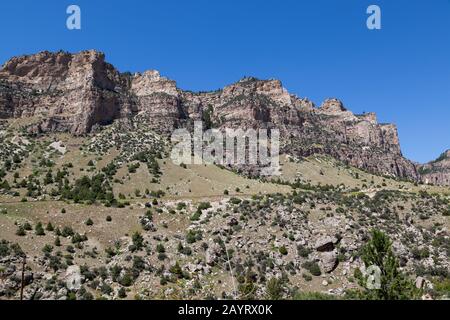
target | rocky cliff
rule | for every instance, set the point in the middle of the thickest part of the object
(437, 171)
(64, 92)
(76, 92)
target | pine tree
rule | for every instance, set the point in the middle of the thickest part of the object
(50, 227)
(138, 241)
(21, 231)
(39, 229)
(394, 285)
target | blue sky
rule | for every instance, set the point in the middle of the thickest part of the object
(318, 48)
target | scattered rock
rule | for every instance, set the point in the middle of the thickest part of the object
(325, 243)
(73, 278)
(328, 261)
(420, 282)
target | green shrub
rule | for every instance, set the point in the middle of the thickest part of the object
(39, 230)
(160, 248)
(394, 285)
(193, 236)
(67, 232)
(181, 206)
(20, 231)
(203, 206)
(312, 267)
(235, 201)
(138, 242)
(122, 293)
(47, 249)
(274, 289)
(196, 216)
(27, 226)
(303, 251)
(126, 280)
(283, 250)
(307, 277)
(314, 296)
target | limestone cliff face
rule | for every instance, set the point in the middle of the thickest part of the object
(77, 92)
(64, 92)
(158, 98)
(331, 129)
(437, 171)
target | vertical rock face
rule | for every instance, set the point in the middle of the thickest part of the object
(65, 92)
(76, 92)
(331, 129)
(158, 98)
(437, 171)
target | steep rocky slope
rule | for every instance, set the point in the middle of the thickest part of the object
(75, 93)
(437, 171)
(311, 240)
(109, 216)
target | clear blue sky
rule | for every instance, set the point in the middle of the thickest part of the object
(318, 49)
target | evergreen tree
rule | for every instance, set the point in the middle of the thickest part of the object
(50, 227)
(394, 285)
(138, 242)
(39, 229)
(48, 178)
(21, 231)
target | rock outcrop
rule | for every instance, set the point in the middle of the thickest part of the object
(438, 171)
(63, 92)
(74, 93)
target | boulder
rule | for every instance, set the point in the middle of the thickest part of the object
(420, 282)
(73, 278)
(325, 243)
(328, 261)
(213, 253)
